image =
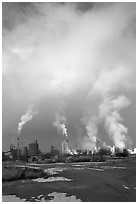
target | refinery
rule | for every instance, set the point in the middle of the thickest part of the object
(33, 153)
(68, 101)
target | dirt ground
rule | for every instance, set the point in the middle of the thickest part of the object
(90, 182)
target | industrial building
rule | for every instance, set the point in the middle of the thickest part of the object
(33, 149)
(65, 147)
(14, 152)
(24, 153)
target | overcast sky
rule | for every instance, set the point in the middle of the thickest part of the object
(69, 68)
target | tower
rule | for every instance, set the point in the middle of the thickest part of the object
(64, 147)
(18, 147)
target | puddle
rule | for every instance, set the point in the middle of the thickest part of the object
(51, 179)
(62, 197)
(53, 171)
(96, 169)
(26, 166)
(40, 198)
(43, 164)
(113, 167)
(12, 198)
(118, 167)
(55, 197)
(78, 168)
(79, 165)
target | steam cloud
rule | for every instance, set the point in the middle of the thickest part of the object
(109, 111)
(54, 50)
(108, 108)
(60, 125)
(29, 114)
(89, 141)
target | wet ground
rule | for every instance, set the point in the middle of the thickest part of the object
(86, 182)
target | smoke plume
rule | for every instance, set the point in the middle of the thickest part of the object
(89, 141)
(29, 114)
(60, 124)
(103, 94)
(109, 111)
(81, 55)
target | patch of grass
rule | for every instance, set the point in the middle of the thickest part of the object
(12, 173)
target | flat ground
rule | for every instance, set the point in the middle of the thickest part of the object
(114, 181)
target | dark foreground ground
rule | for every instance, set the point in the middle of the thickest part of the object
(114, 181)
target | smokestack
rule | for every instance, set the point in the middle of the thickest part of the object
(60, 125)
(18, 147)
(67, 145)
(23, 120)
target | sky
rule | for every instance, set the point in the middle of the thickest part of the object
(69, 71)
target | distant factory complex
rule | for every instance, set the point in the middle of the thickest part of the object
(32, 152)
(23, 152)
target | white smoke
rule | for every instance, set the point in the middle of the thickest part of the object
(60, 124)
(89, 141)
(29, 114)
(109, 112)
(104, 92)
(83, 56)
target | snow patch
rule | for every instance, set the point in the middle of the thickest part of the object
(51, 179)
